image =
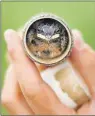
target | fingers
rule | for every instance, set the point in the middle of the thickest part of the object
(88, 108)
(18, 58)
(41, 67)
(83, 59)
(38, 94)
(12, 97)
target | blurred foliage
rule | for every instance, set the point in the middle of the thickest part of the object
(80, 15)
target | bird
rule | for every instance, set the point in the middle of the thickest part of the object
(47, 39)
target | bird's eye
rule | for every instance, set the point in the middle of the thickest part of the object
(33, 42)
(39, 31)
(58, 31)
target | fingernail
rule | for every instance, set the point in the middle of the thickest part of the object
(79, 44)
(8, 37)
(7, 34)
(78, 40)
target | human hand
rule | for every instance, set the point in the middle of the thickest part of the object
(25, 92)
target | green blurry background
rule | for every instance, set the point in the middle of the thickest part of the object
(80, 15)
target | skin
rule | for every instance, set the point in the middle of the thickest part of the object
(24, 91)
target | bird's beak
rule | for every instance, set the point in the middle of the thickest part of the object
(48, 37)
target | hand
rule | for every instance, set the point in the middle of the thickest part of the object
(25, 92)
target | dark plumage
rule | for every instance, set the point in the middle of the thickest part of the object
(47, 48)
